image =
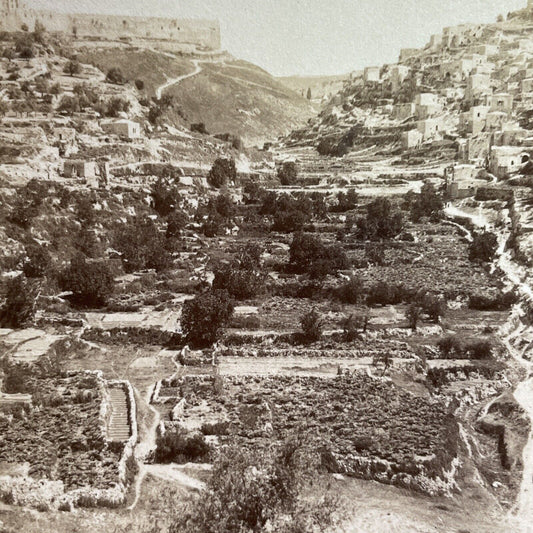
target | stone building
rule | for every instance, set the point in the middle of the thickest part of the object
(128, 129)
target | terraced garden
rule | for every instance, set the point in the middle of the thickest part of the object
(365, 427)
(62, 436)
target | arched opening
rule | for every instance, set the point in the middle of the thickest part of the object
(525, 158)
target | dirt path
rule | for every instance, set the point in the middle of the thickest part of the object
(144, 448)
(174, 81)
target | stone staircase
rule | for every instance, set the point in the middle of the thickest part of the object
(118, 427)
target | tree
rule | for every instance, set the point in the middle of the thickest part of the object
(258, 491)
(433, 306)
(426, 204)
(309, 95)
(483, 247)
(141, 246)
(288, 173)
(115, 76)
(242, 278)
(222, 171)
(380, 221)
(176, 222)
(115, 106)
(204, 316)
(354, 325)
(39, 32)
(19, 304)
(309, 254)
(412, 315)
(72, 68)
(351, 291)
(311, 324)
(384, 360)
(166, 197)
(91, 282)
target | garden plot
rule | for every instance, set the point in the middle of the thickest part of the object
(366, 427)
(64, 438)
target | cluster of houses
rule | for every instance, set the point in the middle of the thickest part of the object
(472, 84)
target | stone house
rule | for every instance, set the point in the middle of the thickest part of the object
(506, 160)
(500, 102)
(372, 75)
(412, 139)
(430, 128)
(127, 129)
(75, 168)
(474, 120)
(477, 85)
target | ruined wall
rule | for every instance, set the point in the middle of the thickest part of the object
(204, 33)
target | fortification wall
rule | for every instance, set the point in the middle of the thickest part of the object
(199, 32)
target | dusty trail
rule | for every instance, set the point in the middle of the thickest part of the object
(174, 81)
(145, 448)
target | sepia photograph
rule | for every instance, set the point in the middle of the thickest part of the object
(266, 266)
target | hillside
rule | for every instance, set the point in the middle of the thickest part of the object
(227, 95)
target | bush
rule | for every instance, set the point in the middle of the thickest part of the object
(222, 171)
(139, 84)
(38, 261)
(288, 173)
(203, 317)
(483, 247)
(351, 291)
(413, 315)
(19, 305)
(91, 282)
(178, 446)
(114, 75)
(311, 324)
(199, 128)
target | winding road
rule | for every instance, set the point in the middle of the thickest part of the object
(174, 81)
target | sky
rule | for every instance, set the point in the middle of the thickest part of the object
(311, 37)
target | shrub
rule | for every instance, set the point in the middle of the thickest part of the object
(139, 84)
(114, 75)
(38, 261)
(178, 446)
(311, 324)
(222, 171)
(483, 247)
(199, 128)
(413, 315)
(351, 291)
(449, 346)
(203, 317)
(288, 173)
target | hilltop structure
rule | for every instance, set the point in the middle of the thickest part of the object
(170, 34)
